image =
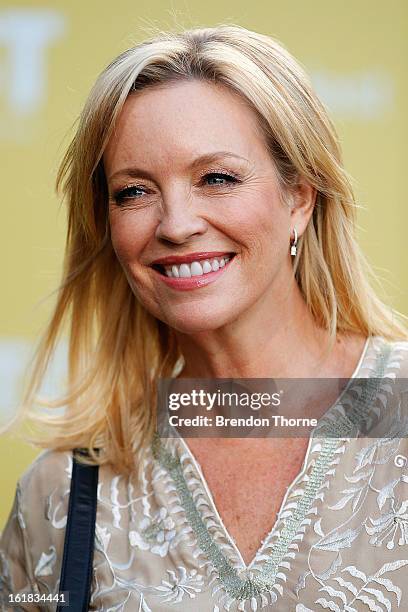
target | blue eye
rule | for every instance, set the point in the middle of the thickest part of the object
(220, 175)
(134, 192)
(126, 194)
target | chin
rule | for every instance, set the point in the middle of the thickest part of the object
(197, 321)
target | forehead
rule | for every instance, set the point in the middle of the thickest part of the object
(181, 119)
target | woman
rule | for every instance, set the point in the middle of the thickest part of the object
(211, 235)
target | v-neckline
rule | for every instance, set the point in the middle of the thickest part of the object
(266, 541)
(295, 481)
(301, 492)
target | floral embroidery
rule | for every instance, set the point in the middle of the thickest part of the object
(362, 589)
(45, 565)
(180, 584)
(294, 520)
(350, 587)
(155, 534)
(388, 526)
(344, 551)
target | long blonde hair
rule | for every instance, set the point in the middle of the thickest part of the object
(118, 350)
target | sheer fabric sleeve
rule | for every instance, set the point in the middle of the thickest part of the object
(16, 571)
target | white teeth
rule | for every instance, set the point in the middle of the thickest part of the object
(207, 267)
(184, 271)
(196, 269)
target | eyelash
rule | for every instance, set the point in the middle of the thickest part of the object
(120, 196)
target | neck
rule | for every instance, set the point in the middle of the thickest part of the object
(282, 340)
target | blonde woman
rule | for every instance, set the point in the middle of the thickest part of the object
(211, 235)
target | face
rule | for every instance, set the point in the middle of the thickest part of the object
(195, 213)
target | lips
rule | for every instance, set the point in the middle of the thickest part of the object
(194, 276)
(190, 257)
(191, 264)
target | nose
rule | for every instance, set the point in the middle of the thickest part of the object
(179, 221)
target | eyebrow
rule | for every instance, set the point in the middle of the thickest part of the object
(133, 172)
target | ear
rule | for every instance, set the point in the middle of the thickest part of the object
(303, 200)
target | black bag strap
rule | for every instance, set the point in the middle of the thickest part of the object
(76, 569)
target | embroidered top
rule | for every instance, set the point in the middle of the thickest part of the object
(340, 541)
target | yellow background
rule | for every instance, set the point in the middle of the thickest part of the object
(356, 54)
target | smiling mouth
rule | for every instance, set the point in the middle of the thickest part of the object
(200, 267)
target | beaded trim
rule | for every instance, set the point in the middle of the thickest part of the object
(235, 586)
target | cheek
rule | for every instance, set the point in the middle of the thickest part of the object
(260, 225)
(129, 236)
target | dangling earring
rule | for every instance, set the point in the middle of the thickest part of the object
(293, 247)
